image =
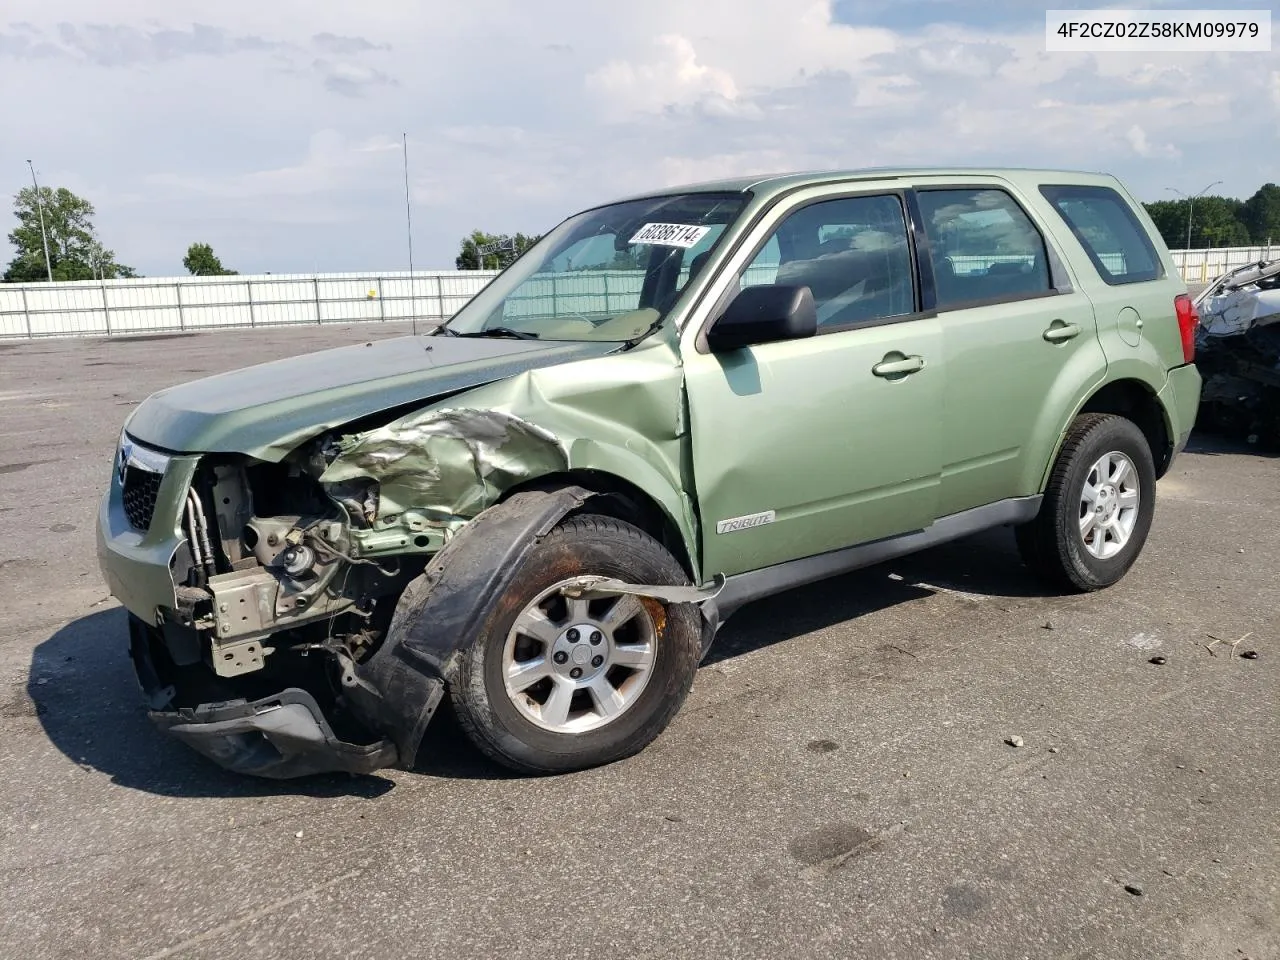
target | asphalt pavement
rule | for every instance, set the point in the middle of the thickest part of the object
(839, 783)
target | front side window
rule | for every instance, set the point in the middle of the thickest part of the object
(852, 253)
(611, 273)
(984, 248)
(1106, 227)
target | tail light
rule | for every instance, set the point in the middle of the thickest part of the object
(1188, 320)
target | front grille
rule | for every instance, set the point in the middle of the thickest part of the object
(140, 489)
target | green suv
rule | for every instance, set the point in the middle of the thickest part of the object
(670, 406)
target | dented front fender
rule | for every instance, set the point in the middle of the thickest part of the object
(621, 415)
(452, 462)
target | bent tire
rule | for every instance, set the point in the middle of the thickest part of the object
(1097, 507)
(554, 684)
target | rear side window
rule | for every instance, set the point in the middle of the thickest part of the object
(984, 247)
(1109, 231)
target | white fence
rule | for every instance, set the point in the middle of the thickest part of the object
(161, 305)
(147, 305)
(1203, 266)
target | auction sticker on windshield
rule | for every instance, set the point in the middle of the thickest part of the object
(670, 234)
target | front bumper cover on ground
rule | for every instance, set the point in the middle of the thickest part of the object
(281, 736)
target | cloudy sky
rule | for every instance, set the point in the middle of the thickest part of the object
(272, 129)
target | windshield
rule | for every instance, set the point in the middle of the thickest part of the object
(611, 273)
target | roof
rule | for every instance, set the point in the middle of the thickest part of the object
(781, 182)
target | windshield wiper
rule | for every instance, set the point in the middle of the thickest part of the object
(499, 332)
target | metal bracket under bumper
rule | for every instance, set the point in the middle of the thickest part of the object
(281, 736)
(703, 597)
(605, 587)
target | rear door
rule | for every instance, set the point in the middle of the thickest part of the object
(1019, 339)
(1132, 283)
(805, 446)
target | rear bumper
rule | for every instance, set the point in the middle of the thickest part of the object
(280, 736)
(1181, 399)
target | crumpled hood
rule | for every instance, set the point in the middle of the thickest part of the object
(265, 411)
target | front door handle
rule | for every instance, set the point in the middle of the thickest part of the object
(898, 368)
(1060, 332)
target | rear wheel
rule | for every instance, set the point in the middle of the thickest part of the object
(1097, 507)
(559, 682)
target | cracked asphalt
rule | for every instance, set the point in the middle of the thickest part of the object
(837, 785)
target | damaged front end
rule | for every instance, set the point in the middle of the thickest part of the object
(1238, 353)
(278, 587)
(298, 607)
(285, 580)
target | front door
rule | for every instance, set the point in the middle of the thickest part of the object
(805, 446)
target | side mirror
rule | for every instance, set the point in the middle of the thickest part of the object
(763, 315)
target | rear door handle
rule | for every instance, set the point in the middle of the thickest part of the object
(898, 368)
(1059, 332)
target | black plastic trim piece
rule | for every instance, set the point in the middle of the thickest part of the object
(926, 284)
(746, 587)
(282, 736)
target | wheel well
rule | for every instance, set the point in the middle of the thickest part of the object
(1134, 401)
(626, 502)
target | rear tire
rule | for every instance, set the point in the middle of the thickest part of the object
(1097, 507)
(635, 657)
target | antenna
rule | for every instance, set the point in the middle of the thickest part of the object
(408, 220)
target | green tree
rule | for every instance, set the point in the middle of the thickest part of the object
(1261, 214)
(201, 261)
(633, 258)
(470, 258)
(1215, 222)
(1170, 218)
(74, 249)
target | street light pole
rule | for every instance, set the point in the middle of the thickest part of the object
(48, 264)
(408, 220)
(1191, 205)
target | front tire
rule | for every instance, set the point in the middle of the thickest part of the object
(557, 684)
(1097, 508)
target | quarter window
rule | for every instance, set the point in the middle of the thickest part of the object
(852, 253)
(983, 247)
(1111, 235)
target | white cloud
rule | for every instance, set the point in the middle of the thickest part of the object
(675, 78)
(344, 45)
(972, 59)
(1137, 139)
(351, 79)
